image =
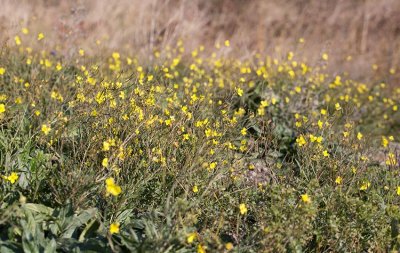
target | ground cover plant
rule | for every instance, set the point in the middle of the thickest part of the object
(193, 152)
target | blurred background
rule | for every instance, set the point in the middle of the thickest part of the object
(360, 36)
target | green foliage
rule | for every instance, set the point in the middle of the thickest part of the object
(203, 153)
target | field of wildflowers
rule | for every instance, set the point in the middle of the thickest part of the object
(193, 151)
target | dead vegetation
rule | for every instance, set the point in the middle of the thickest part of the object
(366, 30)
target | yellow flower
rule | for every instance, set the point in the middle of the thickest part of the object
(201, 249)
(398, 190)
(391, 160)
(339, 180)
(46, 129)
(325, 56)
(81, 52)
(326, 153)
(2, 71)
(243, 209)
(301, 141)
(243, 131)
(385, 142)
(18, 100)
(359, 136)
(40, 36)
(229, 246)
(17, 40)
(195, 189)
(320, 124)
(58, 66)
(338, 107)
(112, 188)
(305, 198)
(365, 185)
(191, 237)
(105, 162)
(2, 108)
(239, 92)
(12, 178)
(25, 30)
(106, 146)
(213, 165)
(114, 228)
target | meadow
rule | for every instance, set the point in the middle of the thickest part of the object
(194, 150)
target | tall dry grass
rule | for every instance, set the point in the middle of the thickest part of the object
(368, 30)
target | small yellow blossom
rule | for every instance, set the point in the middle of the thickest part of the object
(13, 177)
(391, 159)
(243, 131)
(105, 162)
(213, 165)
(195, 189)
(106, 146)
(2, 71)
(191, 237)
(359, 136)
(2, 108)
(398, 190)
(320, 124)
(385, 142)
(112, 188)
(18, 100)
(305, 198)
(17, 40)
(239, 92)
(201, 249)
(365, 185)
(229, 246)
(46, 129)
(338, 107)
(339, 180)
(40, 36)
(243, 209)
(114, 228)
(301, 141)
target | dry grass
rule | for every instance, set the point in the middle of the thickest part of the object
(367, 30)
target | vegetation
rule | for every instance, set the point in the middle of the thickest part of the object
(193, 152)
